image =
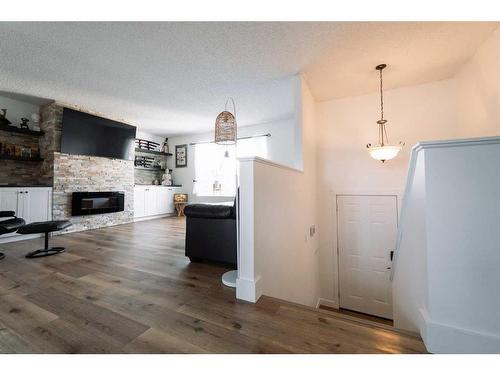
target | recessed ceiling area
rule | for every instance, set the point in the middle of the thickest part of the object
(173, 78)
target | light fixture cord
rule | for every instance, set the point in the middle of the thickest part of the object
(234, 106)
(383, 131)
(381, 97)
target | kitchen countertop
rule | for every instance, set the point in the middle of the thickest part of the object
(158, 185)
(23, 185)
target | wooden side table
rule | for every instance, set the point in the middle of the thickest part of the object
(179, 207)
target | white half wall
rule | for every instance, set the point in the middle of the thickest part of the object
(278, 254)
(446, 275)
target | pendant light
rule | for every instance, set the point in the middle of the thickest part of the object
(226, 127)
(383, 150)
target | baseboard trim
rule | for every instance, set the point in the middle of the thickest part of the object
(20, 237)
(327, 302)
(249, 290)
(152, 217)
(445, 339)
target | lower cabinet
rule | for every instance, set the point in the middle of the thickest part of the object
(30, 203)
(153, 200)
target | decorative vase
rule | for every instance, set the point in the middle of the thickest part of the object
(165, 147)
(3, 119)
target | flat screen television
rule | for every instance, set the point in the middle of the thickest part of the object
(85, 134)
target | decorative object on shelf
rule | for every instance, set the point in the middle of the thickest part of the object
(26, 153)
(3, 118)
(226, 133)
(24, 123)
(181, 156)
(166, 179)
(145, 162)
(165, 148)
(383, 150)
(147, 145)
(35, 117)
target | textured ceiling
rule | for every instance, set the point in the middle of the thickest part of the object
(173, 78)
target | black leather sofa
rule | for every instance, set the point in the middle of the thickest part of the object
(211, 232)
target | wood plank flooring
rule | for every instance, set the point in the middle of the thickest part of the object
(129, 289)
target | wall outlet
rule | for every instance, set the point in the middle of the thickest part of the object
(312, 230)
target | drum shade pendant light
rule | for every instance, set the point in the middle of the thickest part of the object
(225, 126)
(383, 150)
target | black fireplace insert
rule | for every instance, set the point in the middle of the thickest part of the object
(102, 202)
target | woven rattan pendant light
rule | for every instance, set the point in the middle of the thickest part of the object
(226, 127)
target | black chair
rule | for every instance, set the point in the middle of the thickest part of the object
(45, 227)
(211, 233)
(9, 225)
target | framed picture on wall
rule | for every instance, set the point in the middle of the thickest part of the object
(181, 156)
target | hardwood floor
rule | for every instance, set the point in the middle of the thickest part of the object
(129, 289)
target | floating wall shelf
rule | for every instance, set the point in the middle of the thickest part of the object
(14, 129)
(152, 169)
(146, 151)
(18, 158)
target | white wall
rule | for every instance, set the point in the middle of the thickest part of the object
(280, 150)
(478, 91)
(278, 206)
(17, 109)
(467, 105)
(414, 114)
(150, 137)
(410, 293)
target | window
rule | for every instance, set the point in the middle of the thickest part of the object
(215, 165)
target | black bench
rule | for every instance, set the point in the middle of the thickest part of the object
(9, 225)
(45, 227)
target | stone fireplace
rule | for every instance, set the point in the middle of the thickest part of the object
(76, 173)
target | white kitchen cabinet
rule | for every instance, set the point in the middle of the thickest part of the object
(151, 201)
(29, 203)
(139, 204)
(37, 204)
(154, 200)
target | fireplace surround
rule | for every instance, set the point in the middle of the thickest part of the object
(92, 203)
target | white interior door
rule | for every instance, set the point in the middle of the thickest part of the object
(367, 228)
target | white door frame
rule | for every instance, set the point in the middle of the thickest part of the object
(398, 194)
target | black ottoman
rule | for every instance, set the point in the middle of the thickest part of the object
(9, 225)
(45, 227)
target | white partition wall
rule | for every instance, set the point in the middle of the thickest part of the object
(446, 276)
(278, 218)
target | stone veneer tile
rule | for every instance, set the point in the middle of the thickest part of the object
(70, 173)
(73, 173)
